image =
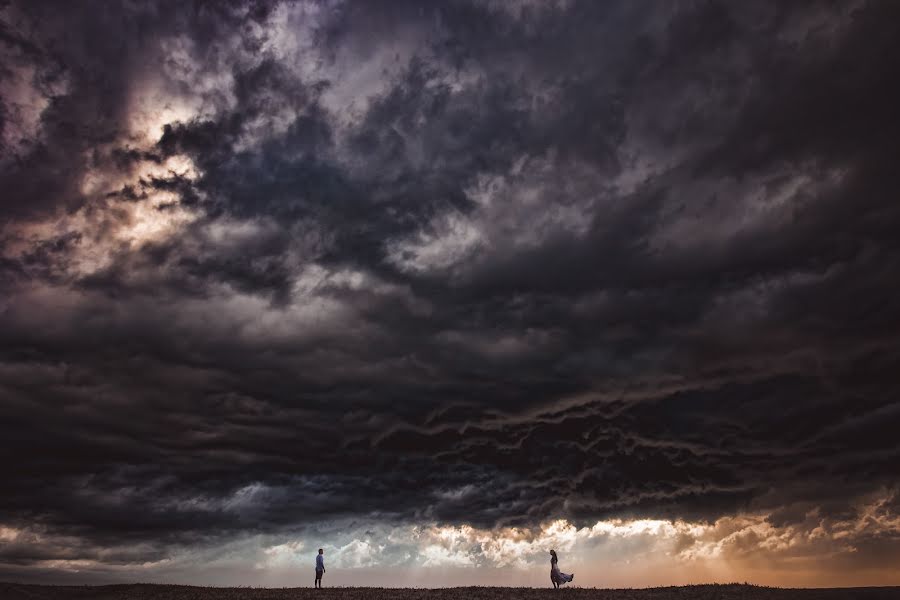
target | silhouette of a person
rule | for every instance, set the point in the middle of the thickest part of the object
(320, 567)
(557, 577)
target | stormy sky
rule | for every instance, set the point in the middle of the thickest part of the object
(440, 286)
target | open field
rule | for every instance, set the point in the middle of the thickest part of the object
(12, 591)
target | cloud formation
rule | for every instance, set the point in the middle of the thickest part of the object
(285, 271)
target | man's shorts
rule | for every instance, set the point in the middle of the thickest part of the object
(319, 574)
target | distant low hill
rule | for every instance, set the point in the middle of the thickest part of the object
(15, 591)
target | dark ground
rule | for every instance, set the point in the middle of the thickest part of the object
(13, 591)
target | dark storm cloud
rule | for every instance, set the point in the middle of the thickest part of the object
(592, 259)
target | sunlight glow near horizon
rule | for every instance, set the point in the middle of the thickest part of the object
(610, 553)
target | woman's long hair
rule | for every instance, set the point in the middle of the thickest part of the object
(553, 554)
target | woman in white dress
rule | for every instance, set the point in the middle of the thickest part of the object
(557, 577)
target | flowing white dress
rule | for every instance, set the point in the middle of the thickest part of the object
(557, 575)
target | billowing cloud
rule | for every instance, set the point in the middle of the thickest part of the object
(809, 547)
(425, 284)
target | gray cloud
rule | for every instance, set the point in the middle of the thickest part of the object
(274, 264)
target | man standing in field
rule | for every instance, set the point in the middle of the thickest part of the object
(320, 567)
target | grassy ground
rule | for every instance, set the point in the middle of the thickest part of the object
(12, 591)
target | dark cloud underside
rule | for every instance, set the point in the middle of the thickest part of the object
(269, 265)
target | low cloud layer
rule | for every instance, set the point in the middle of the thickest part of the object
(799, 546)
(275, 272)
